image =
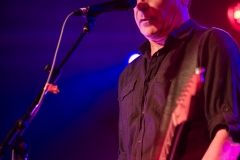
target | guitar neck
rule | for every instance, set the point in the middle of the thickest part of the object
(180, 115)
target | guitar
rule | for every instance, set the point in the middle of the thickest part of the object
(180, 115)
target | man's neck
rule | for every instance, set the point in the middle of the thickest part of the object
(155, 46)
(160, 42)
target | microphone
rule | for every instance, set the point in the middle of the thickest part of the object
(115, 5)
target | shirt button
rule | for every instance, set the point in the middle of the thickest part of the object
(143, 112)
(139, 141)
(225, 108)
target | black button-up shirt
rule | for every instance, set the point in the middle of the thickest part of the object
(148, 88)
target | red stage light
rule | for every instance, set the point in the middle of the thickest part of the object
(237, 15)
(234, 16)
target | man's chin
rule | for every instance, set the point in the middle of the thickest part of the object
(150, 34)
(149, 31)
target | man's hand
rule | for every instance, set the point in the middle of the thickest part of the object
(222, 147)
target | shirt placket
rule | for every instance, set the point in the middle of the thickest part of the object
(150, 74)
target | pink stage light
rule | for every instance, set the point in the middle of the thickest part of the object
(234, 16)
(237, 15)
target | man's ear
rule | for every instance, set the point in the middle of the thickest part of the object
(185, 2)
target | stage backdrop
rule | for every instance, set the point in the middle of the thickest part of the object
(81, 122)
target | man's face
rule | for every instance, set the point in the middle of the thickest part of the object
(156, 18)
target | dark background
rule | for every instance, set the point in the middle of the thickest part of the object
(81, 122)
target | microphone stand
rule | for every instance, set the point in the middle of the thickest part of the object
(14, 140)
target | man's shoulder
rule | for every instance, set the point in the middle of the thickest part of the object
(218, 45)
(221, 40)
(218, 35)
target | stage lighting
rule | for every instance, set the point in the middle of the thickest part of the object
(234, 16)
(237, 15)
(132, 57)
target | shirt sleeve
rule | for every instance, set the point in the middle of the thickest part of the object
(122, 154)
(221, 59)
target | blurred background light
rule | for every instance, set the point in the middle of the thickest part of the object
(237, 15)
(234, 16)
(133, 57)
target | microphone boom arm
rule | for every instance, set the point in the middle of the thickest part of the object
(14, 139)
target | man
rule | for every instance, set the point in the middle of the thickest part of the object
(150, 86)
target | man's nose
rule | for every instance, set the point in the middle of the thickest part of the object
(142, 6)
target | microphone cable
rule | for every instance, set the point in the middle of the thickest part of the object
(52, 68)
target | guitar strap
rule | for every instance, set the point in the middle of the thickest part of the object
(192, 61)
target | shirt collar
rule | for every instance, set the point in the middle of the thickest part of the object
(185, 30)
